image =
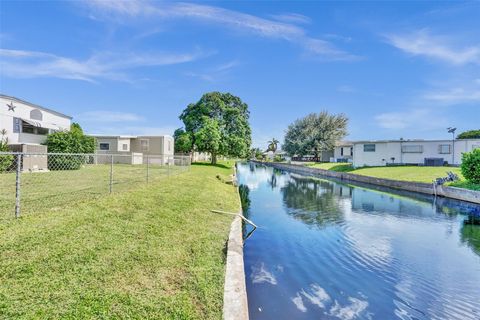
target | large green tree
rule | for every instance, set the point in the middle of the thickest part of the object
(471, 134)
(183, 141)
(218, 115)
(315, 133)
(208, 137)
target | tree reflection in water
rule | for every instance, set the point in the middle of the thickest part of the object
(471, 233)
(244, 192)
(273, 180)
(314, 202)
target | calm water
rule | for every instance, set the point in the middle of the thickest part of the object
(328, 250)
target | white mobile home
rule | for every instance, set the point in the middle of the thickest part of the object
(136, 148)
(343, 152)
(28, 123)
(415, 152)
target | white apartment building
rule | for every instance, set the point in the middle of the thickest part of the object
(415, 152)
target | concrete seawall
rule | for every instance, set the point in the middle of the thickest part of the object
(235, 303)
(425, 188)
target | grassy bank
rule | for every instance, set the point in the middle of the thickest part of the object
(339, 167)
(153, 252)
(403, 173)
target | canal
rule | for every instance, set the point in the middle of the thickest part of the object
(330, 250)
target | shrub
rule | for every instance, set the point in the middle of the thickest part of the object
(471, 166)
(5, 160)
(278, 158)
(73, 141)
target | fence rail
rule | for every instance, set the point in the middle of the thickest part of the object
(30, 182)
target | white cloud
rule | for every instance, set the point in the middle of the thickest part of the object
(351, 311)
(223, 17)
(130, 130)
(106, 65)
(454, 91)
(425, 44)
(215, 73)
(298, 301)
(319, 297)
(420, 119)
(292, 18)
(150, 131)
(455, 95)
(316, 295)
(109, 116)
(260, 275)
(346, 89)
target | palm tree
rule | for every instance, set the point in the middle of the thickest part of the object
(272, 145)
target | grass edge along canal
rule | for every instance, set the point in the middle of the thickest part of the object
(154, 252)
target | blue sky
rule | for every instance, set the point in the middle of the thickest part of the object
(397, 69)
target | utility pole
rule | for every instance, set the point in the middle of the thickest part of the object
(452, 131)
(401, 150)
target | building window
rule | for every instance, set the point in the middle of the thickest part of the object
(104, 146)
(351, 151)
(412, 149)
(369, 147)
(444, 149)
(144, 144)
(125, 147)
(28, 128)
(36, 114)
(42, 131)
(341, 151)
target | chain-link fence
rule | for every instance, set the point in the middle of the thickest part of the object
(31, 182)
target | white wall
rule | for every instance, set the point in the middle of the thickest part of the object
(168, 145)
(23, 110)
(337, 152)
(121, 142)
(386, 150)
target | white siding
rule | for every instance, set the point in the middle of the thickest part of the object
(337, 152)
(386, 150)
(121, 142)
(168, 145)
(23, 110)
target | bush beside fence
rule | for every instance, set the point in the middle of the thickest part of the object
(30, 182)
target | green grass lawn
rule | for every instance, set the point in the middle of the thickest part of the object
(408, 173)
(339, 167)
(55, 189)
(154, 251)
(403, 173)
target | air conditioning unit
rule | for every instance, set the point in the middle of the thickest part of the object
(433, 162)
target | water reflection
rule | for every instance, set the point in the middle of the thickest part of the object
(471, 232)
(351, 252)
(314, 202)
(244, 192)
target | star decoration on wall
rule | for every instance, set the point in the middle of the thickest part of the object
(11, 107)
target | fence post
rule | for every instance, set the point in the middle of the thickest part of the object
(148, 160)
(168, 164)
(111, 172)
(18, 185)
